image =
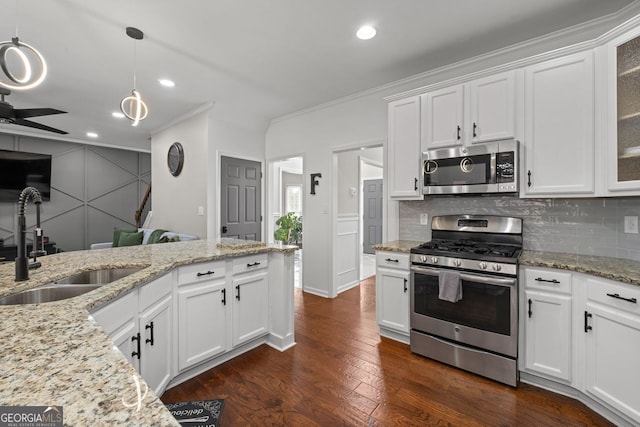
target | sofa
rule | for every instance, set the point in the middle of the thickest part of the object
(142, 236)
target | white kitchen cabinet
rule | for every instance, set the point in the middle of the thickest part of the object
(392, 295)
(548, 323)
(155, 326)
(559, 143)
(202, 303)
(478, 111)
(493, 108)
(405, 162)
(250, 307)
(623, 119)
(612, 345)
(140, 325)
(443, 118)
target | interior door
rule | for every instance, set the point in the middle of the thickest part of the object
(240, 205)
(372, 213)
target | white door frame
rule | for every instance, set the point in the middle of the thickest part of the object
(333, 292)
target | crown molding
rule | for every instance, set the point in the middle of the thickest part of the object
(602, 24)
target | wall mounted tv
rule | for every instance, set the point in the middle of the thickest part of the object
(19, 169)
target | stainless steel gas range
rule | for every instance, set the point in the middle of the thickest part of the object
(464, 294)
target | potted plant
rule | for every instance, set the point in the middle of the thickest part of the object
(290, 231)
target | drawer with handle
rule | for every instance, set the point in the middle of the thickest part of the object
(201, 272)
(250, 263)
(392, 260)
(547, 280)
(614, 294)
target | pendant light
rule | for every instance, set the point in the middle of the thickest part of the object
(132, 106)
(27, 58)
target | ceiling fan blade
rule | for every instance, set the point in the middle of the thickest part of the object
(29, 123)
(23, 113)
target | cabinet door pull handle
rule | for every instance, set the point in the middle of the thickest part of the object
(540, 279)
(587, 315)
(617, 296)
(475, 126)
(149, 340)
(253, 265)
(529, 178)
(238, 292)
(391, 260)
(415, 184)
(208, 273)
(224, 296)
(405, 286)
(530, 312)
(458, 133)
(136, 337)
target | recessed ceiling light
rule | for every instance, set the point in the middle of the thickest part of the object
(366, 32)
(92, 134)
(166, 82)
(117, 115)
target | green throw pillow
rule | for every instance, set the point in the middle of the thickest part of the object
(116, 235)
(130, 239)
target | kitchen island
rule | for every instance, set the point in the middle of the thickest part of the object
(56, 354)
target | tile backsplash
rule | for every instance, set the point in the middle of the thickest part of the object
(581, 226)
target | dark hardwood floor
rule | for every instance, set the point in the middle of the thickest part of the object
(342, 373)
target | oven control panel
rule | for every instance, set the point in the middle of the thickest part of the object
(465, 264)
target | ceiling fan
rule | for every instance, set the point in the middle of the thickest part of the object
(18, 116)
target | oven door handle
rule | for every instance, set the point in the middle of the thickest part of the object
(489, 280)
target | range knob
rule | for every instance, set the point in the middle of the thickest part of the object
(423, 258)
(457, 262)
(482, 265)
(434, 259)
(497, 267)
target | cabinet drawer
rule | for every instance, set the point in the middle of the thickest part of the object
(250, 263)
(201, 272)
(117, 313)
(392, 260)
(547, 280)
(154, 291)
(614, 294)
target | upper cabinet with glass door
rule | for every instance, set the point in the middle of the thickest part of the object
(623, 161)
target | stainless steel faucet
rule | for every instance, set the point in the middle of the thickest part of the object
(22, 261)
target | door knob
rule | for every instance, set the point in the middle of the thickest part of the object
(224, 229)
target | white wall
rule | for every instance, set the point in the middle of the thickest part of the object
(176, 199)
(205, 137)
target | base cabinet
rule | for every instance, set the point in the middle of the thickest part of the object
(612, 345)
(250, 318)
(140, 324)
(583, 332)
(548, 334)
(202, 313)
(392, 295)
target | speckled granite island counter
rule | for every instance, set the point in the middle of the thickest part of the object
(620, 270)
(56, 354)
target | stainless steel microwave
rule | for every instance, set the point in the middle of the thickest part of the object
(484, 168)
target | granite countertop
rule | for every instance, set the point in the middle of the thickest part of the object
(397, 246)
(620, 270)
(56, 354)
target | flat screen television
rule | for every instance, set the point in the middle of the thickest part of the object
(19, 169)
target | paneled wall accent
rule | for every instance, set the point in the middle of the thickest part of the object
(348, 255)
(592, 226)
(93, 190)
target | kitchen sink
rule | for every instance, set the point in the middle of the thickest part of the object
(97, 277)
(68, 287)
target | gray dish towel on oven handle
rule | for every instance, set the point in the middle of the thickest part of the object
(450, 285)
